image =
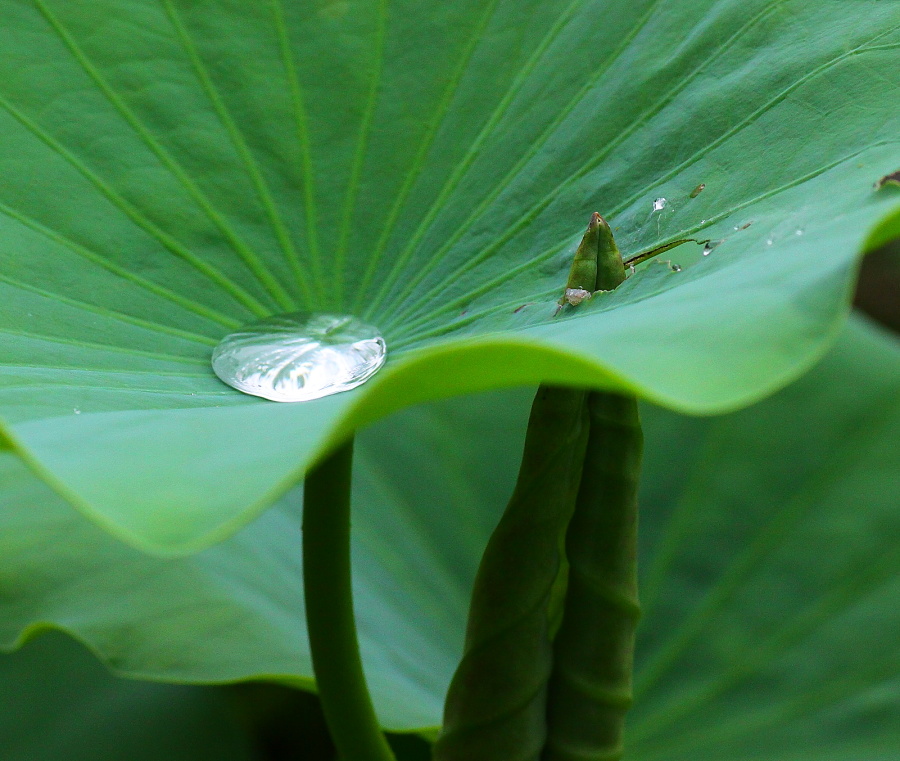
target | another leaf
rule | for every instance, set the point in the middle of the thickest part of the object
(172, 169)
(769, 566)
(59, 703)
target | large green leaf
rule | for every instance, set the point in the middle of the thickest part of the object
(172, 169)
(769, 559)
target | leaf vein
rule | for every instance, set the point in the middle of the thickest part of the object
(101, 261)
(299, 106)
(240, 144)
(418, 164)
(130, 211)
(248, 256)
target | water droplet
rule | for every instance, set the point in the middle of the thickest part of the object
(798, 232)
(659, 204)
(711, 245)
(675, 267)
(769, 242)
(299, 356)
(77, 411)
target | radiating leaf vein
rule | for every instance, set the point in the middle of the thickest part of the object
(282, 234)
(247, 254)
(418, 163)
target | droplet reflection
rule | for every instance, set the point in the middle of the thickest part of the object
(299, 356)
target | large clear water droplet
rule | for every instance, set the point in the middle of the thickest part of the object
(299, 356)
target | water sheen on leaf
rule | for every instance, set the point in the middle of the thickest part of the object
(172, 170)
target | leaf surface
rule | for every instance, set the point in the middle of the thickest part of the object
(768, 558)
(171, 170)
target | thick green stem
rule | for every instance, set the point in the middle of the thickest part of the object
(590, 689)
(499, 706)
(495, 709)
(329, 611)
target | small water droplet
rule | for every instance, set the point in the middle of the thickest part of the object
(299, 356)
(798, 232)
(675, 267)
(769, 242)
(77, 411)
(659, 204)
(711, 245)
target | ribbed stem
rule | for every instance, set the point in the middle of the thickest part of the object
(329, 611)
(590, 688)
(495, 708)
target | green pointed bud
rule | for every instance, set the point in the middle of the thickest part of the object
(597, 264)
(583, 274)
(610, 269)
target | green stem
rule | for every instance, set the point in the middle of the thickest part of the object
(329, 611)
(631, 261)
(590, 689)
(495, 708)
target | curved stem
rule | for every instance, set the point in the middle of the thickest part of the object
(329, 611)
(591, 686)
(495, 708)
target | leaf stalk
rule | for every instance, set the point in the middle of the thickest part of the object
(327, 583)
